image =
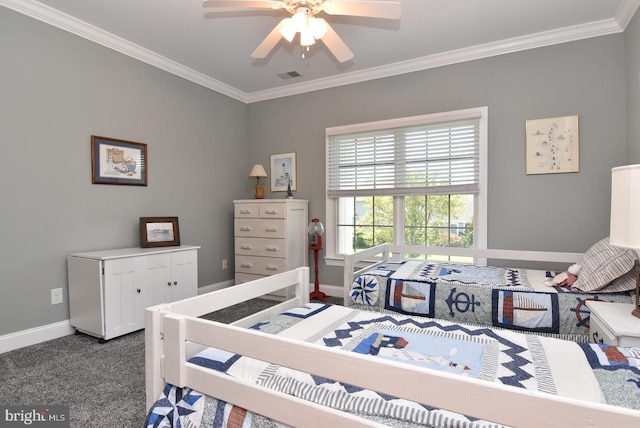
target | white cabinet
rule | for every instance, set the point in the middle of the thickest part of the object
(108, 290)
(270, 237)
(612, 324)
(174, 276)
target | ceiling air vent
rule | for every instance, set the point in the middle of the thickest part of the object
(288, 74)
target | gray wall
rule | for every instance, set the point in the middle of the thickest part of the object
(56, 90)
(632, 38)
(561, 212)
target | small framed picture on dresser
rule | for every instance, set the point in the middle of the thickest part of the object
(159, 232)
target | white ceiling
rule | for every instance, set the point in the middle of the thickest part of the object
(213, 46)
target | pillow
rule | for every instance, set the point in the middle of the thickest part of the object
(626, 282)
(602, 264)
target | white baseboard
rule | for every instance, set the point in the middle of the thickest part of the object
(35, 335)
(332, 290)
(214, 287)
(29, 337)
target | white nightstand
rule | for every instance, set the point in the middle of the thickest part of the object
(613, 324)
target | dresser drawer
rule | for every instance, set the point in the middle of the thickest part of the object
(260, 265)
(246, 211)
(260, 247)
(600, 333)
(273, 210)
(262, 210)
(256, 228)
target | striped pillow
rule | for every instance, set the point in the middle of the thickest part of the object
(602, 264)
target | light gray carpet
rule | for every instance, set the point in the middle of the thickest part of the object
(103, 384)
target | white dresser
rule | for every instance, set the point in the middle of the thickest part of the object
(270, 237)
(109, 290)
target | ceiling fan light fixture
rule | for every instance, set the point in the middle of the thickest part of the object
(288, 32)
(317, 27)
(306, 38)
(296, 24)
(303, 21)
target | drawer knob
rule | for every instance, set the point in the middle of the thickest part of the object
(138, 290)
(245, 265)
(169, 283)
(271, 211)
(245, 211)
(271, 267)
(245, 228)
(272, 248)
(271, 229)
(245, 247)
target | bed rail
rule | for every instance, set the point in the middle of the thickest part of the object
(155, 345)
(353, 263)
(490, 401)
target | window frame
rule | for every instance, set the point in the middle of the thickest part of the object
(332, 258)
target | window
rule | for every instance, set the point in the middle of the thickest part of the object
(415, 181)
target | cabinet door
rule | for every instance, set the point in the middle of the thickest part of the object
(174, 276)
(124, 297)
(184, 274)
(158, 267)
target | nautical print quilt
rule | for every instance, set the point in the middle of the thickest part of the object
(500, 297)
(589, 372)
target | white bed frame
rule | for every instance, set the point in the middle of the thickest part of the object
(173, 333)
(356, 264)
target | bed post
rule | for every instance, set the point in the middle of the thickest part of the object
(154, 382)
(347, 276)
(302, 285)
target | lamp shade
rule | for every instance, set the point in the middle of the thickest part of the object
(257, 171)
(625, 207)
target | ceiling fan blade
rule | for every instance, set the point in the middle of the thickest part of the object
(369, 9)
(270, 41)
(335, 44)
(265, 4)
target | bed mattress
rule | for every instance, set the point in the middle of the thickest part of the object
(515, 299)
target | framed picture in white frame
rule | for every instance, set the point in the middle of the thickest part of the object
(552, 145)
(283, 172)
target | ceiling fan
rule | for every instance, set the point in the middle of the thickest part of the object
(305, 22)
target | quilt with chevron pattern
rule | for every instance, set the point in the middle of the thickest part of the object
(592, 372)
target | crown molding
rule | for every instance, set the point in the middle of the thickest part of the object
(80, 28)
(626, 11)
(502, 47)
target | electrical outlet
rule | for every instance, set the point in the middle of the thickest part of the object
(224, 263)
(56, 296)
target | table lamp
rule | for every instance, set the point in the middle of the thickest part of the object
(625, 215)
(256, 172)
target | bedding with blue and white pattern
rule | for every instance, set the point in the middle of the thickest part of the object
(508, 298)
(597, 373)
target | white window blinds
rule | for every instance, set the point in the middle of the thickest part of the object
(434, 158)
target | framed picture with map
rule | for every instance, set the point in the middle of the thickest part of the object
(283, 172)
(552, 145)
